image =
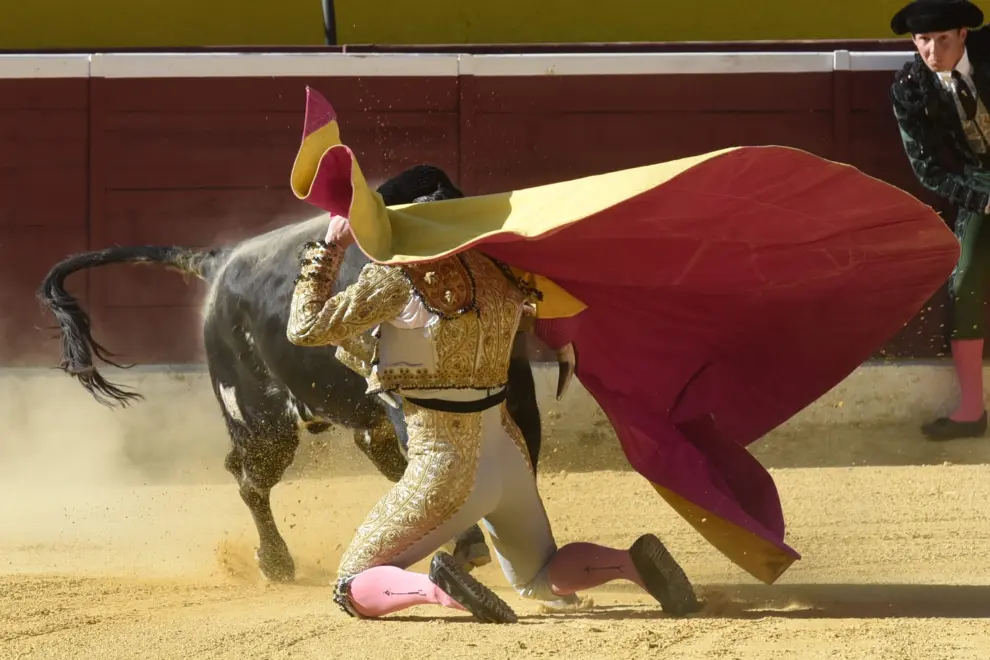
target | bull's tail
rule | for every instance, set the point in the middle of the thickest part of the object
(78, 345)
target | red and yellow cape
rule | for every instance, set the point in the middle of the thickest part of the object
(718, 296)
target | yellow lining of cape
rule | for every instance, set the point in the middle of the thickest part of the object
(308, 158)
(755, 555)
(557, 302)
(435, 229)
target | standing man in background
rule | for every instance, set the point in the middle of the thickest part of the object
(938, 100)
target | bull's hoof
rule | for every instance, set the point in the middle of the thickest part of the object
(472, 556)
(566, 604)
(276, 566)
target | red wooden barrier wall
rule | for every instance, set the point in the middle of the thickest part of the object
(44, 138)
(196, 150)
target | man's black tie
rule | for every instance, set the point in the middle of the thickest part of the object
(965, 95)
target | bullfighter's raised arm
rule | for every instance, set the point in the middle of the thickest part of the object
(317, 319)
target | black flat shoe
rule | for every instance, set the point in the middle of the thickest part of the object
(663, 577)
(479, 600)
(944, 428)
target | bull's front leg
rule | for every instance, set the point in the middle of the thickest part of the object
(258, 459)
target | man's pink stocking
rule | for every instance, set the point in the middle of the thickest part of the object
(967, 355)
(386, 589)
(579, 566)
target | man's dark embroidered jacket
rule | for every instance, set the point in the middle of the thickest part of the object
(932, 133)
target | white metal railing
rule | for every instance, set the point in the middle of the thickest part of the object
(234, 65)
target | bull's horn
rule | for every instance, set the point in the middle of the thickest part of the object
(567, 364)
(389, 399)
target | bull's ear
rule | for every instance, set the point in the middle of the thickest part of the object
(449, 192)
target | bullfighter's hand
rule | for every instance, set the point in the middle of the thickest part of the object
(339, 231)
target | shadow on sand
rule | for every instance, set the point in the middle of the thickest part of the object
(853, 446)
(821, 447)
(799, 601)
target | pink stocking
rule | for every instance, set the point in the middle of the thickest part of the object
(967, 355)
(385, 589)
(579, 566)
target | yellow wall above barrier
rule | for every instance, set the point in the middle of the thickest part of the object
(533, 21)
(96, 24)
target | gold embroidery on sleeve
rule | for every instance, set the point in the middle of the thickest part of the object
(358, 354)
(379, 294)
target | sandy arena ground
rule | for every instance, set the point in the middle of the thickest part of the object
(101, 558)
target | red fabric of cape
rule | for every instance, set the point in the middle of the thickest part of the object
(725, 301)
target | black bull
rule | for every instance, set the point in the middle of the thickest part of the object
(268, 388)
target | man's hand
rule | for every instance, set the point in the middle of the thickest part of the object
(339, 231)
